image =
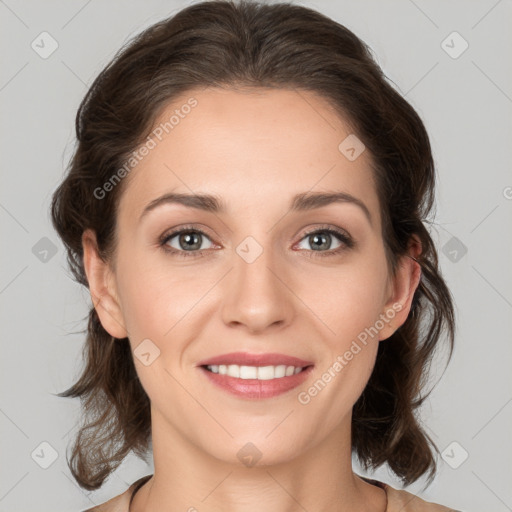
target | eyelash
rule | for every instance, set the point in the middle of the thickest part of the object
(344, 238)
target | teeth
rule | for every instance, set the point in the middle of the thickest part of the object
(254, 372)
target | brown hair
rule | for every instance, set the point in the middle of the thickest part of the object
(248, 44)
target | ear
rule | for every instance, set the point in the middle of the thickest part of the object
(102, 287)
(403, 284)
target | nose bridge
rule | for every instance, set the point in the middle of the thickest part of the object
(257, 296)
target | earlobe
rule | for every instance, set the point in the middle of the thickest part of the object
(102, 287)
(405, 283)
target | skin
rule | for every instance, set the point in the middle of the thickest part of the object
(255, 149)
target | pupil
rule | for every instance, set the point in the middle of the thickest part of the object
(187, 240)
(314, 239)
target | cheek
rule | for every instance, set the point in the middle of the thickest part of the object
(163, 304)
(350, 307)
(145, 293)
(350, 303)
(348, 299)
(152, 304)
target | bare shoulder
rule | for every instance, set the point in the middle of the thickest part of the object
(404, 501)
(119, 503)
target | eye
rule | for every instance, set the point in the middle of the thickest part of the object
(186, 242)
(321, 241)
(189, 241)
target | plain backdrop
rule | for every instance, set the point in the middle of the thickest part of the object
(464, 96)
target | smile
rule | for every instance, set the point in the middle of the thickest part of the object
(256, 382)
(255, 372)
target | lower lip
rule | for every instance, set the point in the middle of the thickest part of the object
(254, 388)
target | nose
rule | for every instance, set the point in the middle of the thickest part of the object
(257, 295)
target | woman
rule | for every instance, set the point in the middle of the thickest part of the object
(246, 205)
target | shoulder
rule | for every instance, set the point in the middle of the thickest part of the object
(121, 502)
(403, 501)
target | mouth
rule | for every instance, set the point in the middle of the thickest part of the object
(256, 382)
(255, 372)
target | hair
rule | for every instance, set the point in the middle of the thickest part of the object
(243, 45)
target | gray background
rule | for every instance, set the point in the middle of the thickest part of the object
(466, 104)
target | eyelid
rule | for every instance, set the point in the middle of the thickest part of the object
(200, 228)
(326, 227)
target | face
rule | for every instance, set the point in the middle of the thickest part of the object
(264, 273)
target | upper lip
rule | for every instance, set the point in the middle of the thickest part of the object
(246, 359)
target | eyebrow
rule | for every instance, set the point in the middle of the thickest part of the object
(214, 204)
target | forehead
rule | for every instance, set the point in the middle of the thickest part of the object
(251, 147)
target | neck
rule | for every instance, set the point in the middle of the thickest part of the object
(187, 477)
